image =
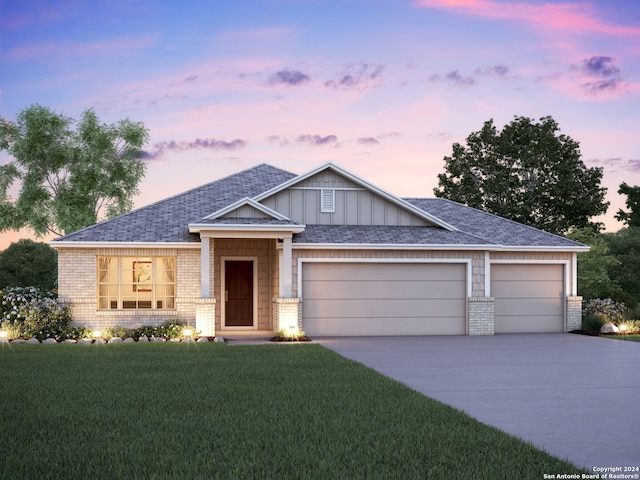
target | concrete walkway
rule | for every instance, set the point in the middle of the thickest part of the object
(576, 397)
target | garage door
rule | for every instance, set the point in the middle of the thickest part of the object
(528, 298)
(383, 299)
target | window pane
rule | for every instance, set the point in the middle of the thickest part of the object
(136, 282)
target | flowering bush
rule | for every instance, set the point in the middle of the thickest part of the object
(29, 311)
(604, 311)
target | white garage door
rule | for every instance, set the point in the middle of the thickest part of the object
(528, 298)
(383, 299)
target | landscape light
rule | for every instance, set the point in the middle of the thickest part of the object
(187, 332)
(3, 334)
(623, 327)
(96, 334)
(289, 323)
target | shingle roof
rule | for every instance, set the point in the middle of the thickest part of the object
(483, 225)
(168, 220)
(379, 234)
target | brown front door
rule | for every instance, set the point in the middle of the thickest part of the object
(238, 279)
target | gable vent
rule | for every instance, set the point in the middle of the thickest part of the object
(327, 200)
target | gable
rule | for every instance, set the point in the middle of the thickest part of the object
(246, 211)
(329, 197)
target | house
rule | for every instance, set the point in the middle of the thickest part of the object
(325, 252)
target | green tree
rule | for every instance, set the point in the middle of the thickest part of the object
(527, 172)
(624, 245)
(632, 217)
(26, 263)
(69, 178)
(594, 280)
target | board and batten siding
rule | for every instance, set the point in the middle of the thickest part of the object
(354, 205)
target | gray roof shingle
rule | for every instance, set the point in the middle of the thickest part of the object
(168, 220)
(490, 227)
(380, 234)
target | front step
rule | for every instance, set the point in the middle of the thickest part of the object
(246, 337)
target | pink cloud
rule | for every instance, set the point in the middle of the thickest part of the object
(564, 17)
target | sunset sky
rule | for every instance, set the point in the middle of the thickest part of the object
(382, 88)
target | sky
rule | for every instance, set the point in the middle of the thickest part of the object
(382, 88)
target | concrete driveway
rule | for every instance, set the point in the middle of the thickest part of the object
(576, 397)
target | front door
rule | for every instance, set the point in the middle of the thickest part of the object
(238, 279)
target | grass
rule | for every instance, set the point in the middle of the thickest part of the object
(166, 411)
(630, 338)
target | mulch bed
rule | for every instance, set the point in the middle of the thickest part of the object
(302, 338)
(596, 333)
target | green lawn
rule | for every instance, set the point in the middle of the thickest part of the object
(205, 411)
(630, 338)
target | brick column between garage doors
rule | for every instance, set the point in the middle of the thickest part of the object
(480, 315)
(574, 313)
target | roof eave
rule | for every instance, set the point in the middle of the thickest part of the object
(414, 246)
(529, 248)
(204, 227)
(94, 244)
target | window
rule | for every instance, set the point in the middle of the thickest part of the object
(126, 283)
(327, 200)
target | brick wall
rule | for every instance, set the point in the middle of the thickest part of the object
(480, 316)
(285, 310)
(573, 313)
(77, 282)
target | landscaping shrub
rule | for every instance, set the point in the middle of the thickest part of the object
(599, 311)
(117, 331)
(168, 330)
(632, 326)
(283, 335)
(29, 311)
(592, 324)
(76, 333)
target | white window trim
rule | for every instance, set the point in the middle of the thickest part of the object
(119, 299)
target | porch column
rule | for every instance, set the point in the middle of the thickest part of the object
(204, 267)
(286, 274)
(205, 305)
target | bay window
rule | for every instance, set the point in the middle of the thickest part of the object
(134, 283)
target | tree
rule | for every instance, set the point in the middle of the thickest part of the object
(624, 245)
(26, 263)
(69, 178)
(632, 217)
(527, 172)
(594, 280)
